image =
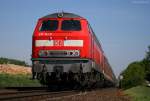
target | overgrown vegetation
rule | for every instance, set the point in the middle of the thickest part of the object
(146, 64)
(134, 75)
(139, 93)
(136, 72)
(12, 61)
(18, 80)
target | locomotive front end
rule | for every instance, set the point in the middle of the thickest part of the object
(60, 48)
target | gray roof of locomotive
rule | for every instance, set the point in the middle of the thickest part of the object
(63, 15)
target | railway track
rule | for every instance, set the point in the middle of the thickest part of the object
(43, 94)
(33, 95)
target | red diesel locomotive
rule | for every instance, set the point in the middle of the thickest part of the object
(66, 50)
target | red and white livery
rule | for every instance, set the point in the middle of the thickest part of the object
(66, 50)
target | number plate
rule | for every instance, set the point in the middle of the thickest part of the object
(58, 42)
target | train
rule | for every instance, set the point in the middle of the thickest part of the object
(66, 51)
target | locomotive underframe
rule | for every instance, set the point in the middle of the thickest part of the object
(73, 71)
(62, 65)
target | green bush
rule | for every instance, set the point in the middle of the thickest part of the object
(134, 75)
(146, 64)
(137, 72)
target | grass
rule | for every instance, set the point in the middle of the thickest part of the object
(19, 80)
(139, 93)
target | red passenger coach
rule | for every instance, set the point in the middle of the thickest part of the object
(65, 50)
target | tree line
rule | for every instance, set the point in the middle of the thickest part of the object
(12, 61)
(136, 73)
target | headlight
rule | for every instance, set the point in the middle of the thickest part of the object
(43, 53)
(75, 53)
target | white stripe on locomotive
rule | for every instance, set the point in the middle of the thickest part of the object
(78, 43)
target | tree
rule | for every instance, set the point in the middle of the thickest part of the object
(134, 75)
(136, 72)
(12, 61)
(148, 54)
(146, 64)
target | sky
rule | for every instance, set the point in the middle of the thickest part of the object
(122, 26)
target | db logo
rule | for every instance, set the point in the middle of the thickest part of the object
(58, 43)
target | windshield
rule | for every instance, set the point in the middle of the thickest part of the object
(49, 25)
(71, 25)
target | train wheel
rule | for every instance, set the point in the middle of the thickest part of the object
(42, 77)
